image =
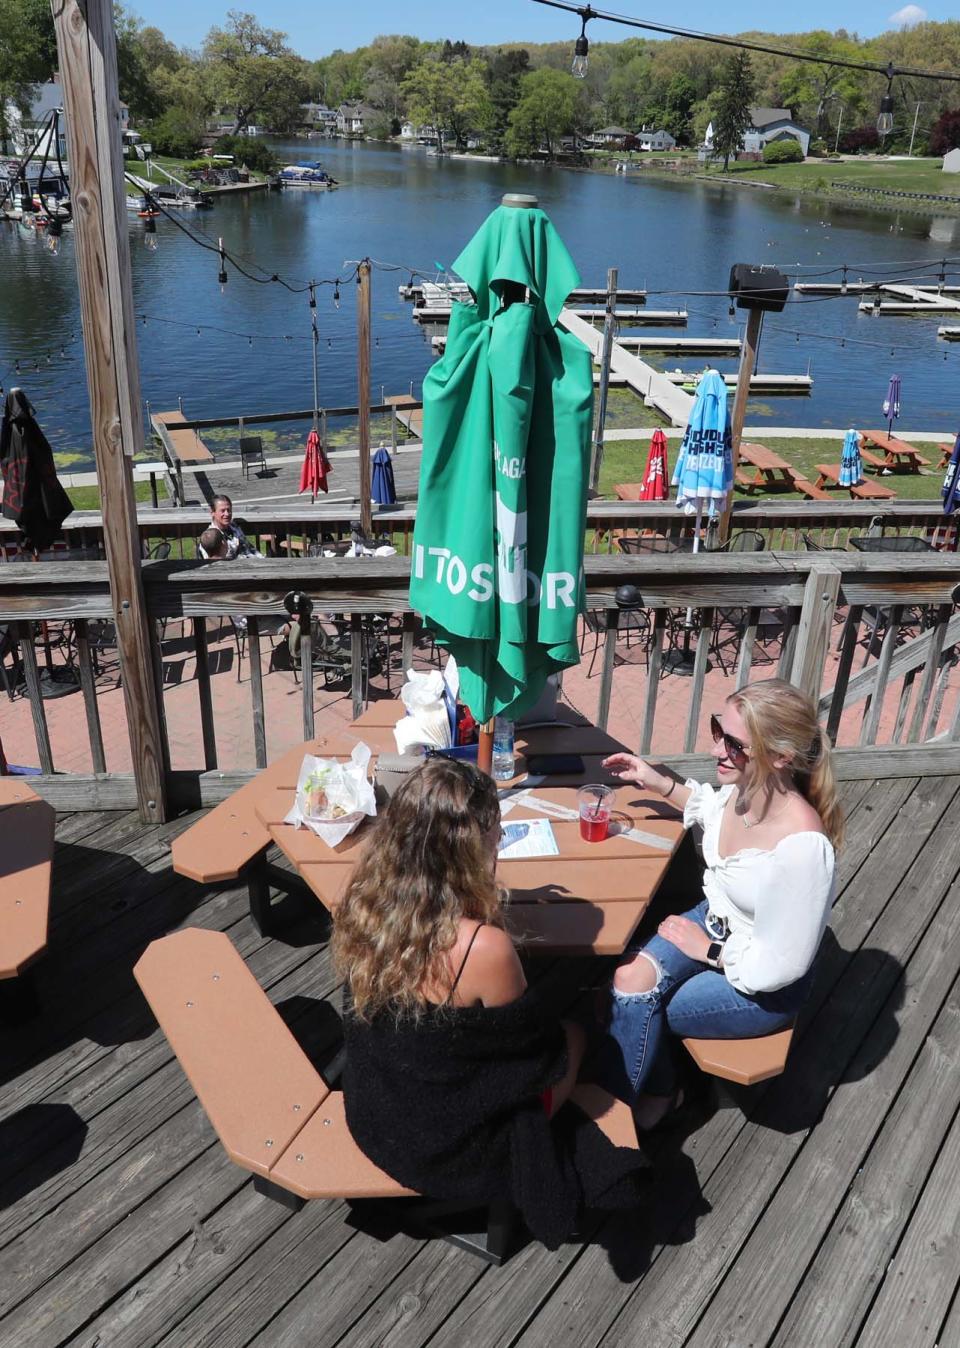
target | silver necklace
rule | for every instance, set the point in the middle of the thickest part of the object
(752, 823)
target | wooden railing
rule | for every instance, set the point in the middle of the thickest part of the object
(880, 599)
(783, 524)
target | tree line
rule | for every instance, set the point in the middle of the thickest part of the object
(521, 98)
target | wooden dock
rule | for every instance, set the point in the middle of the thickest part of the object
(759, 383)
(653, 387)
(817, 1208)
(421, 292)
(636, 317)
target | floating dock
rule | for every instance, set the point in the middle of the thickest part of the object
(949, 334)
(759, 383)
(421, 293)
(858, 287)
(683, 346)
(637, 317)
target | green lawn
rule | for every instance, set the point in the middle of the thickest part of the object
(88, 498)
(624, 461)
(900, 175)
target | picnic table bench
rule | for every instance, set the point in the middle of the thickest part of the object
(898, 455)
(275, 1114)
(772, 473)
(863, 491)
(27, 826)
(944, 451)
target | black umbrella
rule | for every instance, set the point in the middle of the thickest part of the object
(32, 495)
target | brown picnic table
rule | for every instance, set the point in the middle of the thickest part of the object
(862, 491)
(587, 900)
(772, 473)
(897, 455)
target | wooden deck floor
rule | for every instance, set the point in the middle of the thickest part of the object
(822, 1209)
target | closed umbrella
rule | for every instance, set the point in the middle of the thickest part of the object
(313, 473)
(498, 541)
(891, 403)
(950, 490)
(655, 474)
(382, 485)
(851, 464)
(32, 494)
(703, 476)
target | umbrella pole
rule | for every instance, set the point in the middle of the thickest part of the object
(485, 747)
(681, 661)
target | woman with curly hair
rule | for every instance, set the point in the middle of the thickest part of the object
(454, 1074)
(738, 964)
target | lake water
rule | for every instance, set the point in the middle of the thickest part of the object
(402, 207)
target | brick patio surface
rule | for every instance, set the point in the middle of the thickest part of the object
(283, 703)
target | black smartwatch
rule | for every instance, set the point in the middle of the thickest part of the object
(714, 951)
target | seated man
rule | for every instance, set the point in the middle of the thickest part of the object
(221, 518)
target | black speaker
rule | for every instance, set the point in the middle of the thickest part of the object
(758, 287)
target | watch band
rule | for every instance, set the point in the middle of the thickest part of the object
(714, 952)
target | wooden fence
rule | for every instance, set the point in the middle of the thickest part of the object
(898, 608)
(783, 525)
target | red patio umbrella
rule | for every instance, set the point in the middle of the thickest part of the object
(655, 474)
(313, 474)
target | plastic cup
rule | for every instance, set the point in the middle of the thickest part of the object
(596, 806)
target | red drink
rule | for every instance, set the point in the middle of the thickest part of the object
(593, 827)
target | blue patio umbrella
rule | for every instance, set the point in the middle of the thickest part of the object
(382, 483)
(703, 476)
(950, 490)
(851, 464)
(891, 403)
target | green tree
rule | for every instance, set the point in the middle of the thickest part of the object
(390, 60)
(547, 109)
(815, 89)
(28, 56)
(250, 69)
(733, 108)
(450, 95)
(505, 70)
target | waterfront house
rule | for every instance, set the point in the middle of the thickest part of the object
(24, 126)
(318, 117)
(352, 118)
(609, 135)
(766, 125)
(656, 140)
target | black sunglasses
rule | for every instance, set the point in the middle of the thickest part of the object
(736, 751)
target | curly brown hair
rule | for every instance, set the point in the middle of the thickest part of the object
(427, 865)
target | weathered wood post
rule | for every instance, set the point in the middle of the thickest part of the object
(820, 597)
(363, 392)
(600, 419)
(86, 44)
(748, 363)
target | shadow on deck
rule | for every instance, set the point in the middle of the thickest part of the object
(821, 1207)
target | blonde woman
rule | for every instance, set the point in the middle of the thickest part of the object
(738, 964)
(454, 1074)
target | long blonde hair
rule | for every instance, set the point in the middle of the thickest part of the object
(782, 723)
(428, 864)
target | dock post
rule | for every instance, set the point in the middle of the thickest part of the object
(363, 392)
(748, 362)
(86, 44)
(606, 351)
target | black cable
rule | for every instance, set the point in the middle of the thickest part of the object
(745, 44)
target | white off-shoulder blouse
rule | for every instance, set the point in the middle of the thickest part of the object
(775, 901)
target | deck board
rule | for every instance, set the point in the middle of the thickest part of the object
(803, 1211)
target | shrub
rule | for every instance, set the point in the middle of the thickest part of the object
(176, 132)
(783, 152)
(247, 150)
(860, 140)
(945, 133)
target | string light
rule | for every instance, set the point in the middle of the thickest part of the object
(222, 274)
(150, 233)
(54, 234)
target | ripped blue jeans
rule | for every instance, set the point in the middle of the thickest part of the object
(690, 1000)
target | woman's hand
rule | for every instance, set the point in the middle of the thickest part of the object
(630, 768)
(687, 936)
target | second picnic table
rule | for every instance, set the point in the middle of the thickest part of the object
(898, 455)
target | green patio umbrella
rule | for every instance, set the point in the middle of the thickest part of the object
(498, 543)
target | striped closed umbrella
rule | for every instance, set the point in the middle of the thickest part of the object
(891, 403)
(851, 464)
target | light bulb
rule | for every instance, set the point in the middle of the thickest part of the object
(54, 234)
(53, 244)
(150, 234)
(885, 119)
(580, 55)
